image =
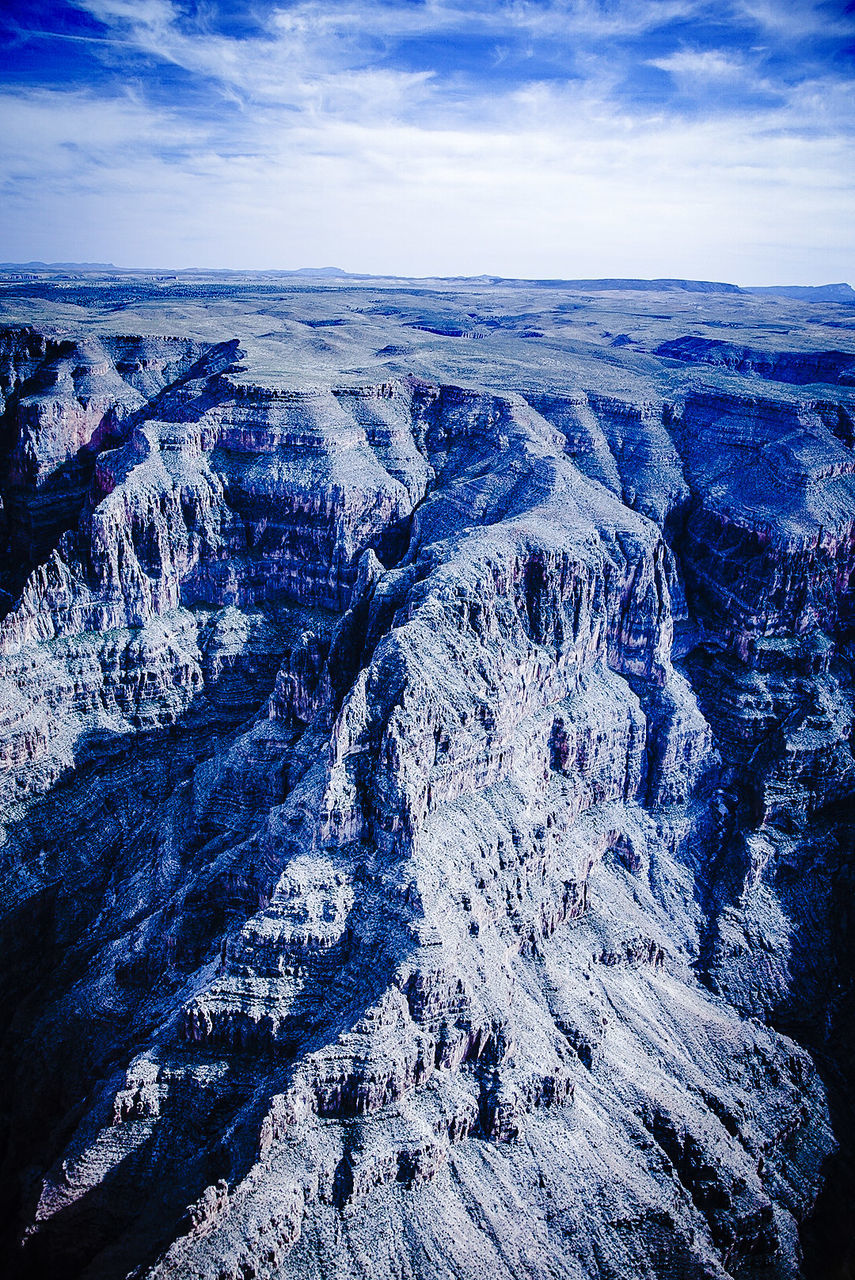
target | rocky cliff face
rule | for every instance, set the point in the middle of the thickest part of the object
(428, 823)
(799, 367)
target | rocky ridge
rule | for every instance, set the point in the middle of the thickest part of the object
(434, 809)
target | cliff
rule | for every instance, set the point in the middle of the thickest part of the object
(427, 821)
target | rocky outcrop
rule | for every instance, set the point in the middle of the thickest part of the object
(62, 401)
(422, 797)
(799, 367)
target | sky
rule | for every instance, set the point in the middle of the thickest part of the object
(533, 138)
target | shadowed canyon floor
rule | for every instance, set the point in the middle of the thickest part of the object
(426, 727)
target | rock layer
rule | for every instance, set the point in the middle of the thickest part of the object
(429, 803)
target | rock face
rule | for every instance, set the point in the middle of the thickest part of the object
(800, 367)
(428, 823)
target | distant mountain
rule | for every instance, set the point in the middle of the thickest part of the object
(653, 286)
(58, 266)
(805, 293)
(319, 271)
(610, 284)
(809, 292)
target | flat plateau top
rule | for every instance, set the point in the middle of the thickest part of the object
(302, 332)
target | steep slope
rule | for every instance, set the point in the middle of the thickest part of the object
(426, 807)
(62, 400)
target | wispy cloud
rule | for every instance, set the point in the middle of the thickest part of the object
(702, 64)
(574, 137)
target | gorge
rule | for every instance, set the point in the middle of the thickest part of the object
(428, 780)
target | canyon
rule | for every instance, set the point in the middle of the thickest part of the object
(428, 792)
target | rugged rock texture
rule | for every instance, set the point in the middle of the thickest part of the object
(61, 402)
(428, 823)
(799, 367)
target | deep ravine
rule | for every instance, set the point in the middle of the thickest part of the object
(428, 823)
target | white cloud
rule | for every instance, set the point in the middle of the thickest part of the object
(701, 64)
(317, 154)
(310, 43)
(550, 193)
(796, 19)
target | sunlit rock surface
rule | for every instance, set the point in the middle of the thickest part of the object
(427, 781)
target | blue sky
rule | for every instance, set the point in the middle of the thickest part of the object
(529, 138)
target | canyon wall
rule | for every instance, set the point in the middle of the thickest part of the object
(427, 822)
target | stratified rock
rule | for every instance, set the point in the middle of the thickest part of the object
(779, 366)
(421, 803)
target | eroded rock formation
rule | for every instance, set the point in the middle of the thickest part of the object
(426, 808)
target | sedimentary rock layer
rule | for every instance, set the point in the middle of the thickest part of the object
(425, 810)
